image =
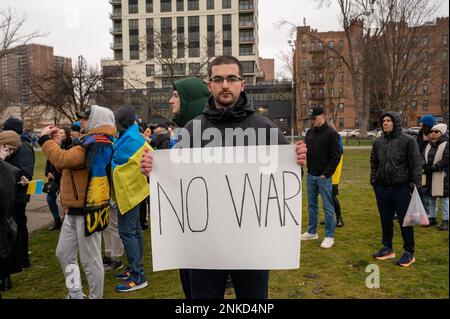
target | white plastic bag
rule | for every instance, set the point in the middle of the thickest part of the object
(416, 214)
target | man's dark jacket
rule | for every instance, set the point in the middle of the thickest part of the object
(242, 116)
(23, 158)
(324, 152)
(395, 158)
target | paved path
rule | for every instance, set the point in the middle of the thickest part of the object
(38, 213)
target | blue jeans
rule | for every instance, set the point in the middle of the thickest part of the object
(51, 200)
(431, 209)
(316, 185)
(130, 232)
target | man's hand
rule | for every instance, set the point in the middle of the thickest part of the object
(147, 163)
(301, 150)
(49, 130)
(24, 181)
(50, 176)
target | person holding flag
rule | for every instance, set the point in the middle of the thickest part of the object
(130, 190)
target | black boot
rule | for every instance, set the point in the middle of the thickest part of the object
(339, 222)
(57, 225)
(432, 222)
(444, 225)
(6, 283)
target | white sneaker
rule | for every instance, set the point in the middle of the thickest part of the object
(308, 236)
(328, 242)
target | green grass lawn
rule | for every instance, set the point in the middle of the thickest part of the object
(339, 272)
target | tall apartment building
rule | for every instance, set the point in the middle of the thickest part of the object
(21, 64)
(157, 41)
(420, 55)
(321, 78)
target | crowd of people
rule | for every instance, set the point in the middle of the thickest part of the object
(99, 167)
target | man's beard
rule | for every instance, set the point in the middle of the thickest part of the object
(227, 103)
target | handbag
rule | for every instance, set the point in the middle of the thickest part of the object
(50, 187)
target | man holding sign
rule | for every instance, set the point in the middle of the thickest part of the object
(228, 108)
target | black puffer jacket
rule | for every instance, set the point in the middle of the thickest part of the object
(441, 166)
(241, 116)
(395, 158)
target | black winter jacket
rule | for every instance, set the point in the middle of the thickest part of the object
(241, 116)
(8, 181)
(23, 158)
(441, 166)
(324, 152)
(395, 158)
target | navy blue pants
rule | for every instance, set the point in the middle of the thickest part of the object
(210, 284)
(390, 201)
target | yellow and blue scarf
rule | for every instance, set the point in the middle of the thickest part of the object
(99, 149)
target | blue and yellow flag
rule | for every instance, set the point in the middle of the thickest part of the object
(35, 187)
(130, 186)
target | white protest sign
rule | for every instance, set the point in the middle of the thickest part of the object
(234, 213)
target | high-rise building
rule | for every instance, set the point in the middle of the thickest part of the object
(157, 41)
(19, 66)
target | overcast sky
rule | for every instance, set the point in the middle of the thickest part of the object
(82, 26)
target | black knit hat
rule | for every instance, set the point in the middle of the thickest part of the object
(13, 124)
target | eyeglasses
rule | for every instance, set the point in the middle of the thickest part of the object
(436, 131)
(230, 79)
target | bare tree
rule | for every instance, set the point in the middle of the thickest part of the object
(67, 92)
(287, 60)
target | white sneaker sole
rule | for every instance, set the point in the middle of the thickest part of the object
(310, 238)
(143, 285)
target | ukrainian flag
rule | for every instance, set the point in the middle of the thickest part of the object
(130, 186)
(35, 187)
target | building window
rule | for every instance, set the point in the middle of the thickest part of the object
(304, 77)
(194, 68)
(133, 6)
(180, 38)
(414, 105)
(341, 107)
(180, 5)
(331, 44)
(226, 4)
(426, 57)
(179, 69)
(166, 5)
(150, 39)
(341, 44)
(331, 93)
(341, 122)
(321, 93)
(194, 36)
(192, 5)
(166, 37)
(150, 84)
(211, 36)
(303, 47)
(341, 92)
(248, 66)
(134, 39)
(304, 93)
(321, 76)
(425, 72)
(445, 39)
(150, 70)
(313, 93)
(210, 4)
(246, 49)
(226, 31)
(425, 40)
(149, 6)
(425, 105)
(425, 90)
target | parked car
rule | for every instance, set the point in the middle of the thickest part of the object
(349, 133)
(376, 133)
(414, 130)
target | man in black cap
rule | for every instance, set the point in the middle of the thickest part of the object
(323, 157)
(23, 159)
